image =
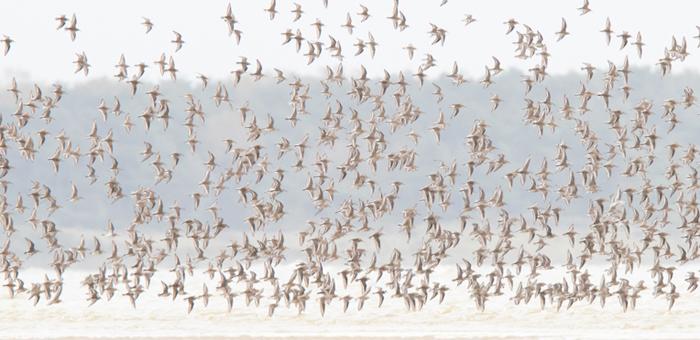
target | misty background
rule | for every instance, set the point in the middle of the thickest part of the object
(518, 141)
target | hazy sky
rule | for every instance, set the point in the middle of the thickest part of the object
(109, 28)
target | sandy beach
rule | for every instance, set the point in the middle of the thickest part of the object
(456, 318)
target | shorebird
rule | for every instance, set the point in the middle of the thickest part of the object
(72, 27)
(562, 31)
(6, 44)
(148, 24)
(177, 41)
(559, 208)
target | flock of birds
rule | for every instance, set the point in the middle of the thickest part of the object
(341, 258)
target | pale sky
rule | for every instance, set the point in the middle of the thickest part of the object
(109, 28)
